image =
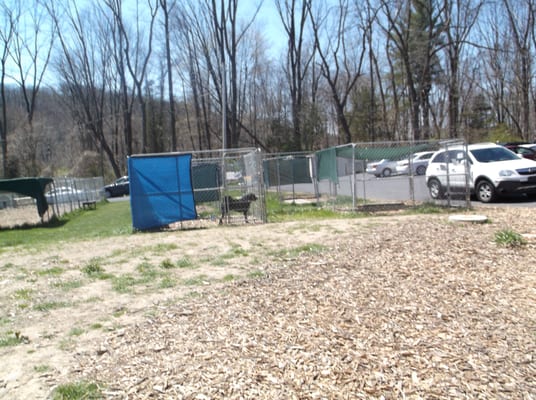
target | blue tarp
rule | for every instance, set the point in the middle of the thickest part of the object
(161, 190)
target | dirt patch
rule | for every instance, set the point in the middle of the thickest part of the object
(398, 306)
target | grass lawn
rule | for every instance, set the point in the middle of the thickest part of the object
(109, 219)
(114, 219)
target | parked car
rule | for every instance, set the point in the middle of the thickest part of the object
(418, 162)
(382, 168)
(121, 187)
(531, 146)
(522, 150)
(489, 169)
(64, 194)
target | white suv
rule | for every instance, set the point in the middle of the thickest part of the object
(488, 169)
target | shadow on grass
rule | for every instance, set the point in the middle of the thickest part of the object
(54, 222)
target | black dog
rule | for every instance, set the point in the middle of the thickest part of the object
(240, 205)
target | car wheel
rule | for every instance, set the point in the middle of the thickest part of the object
(485, 191)
(386, 172)
(436, 191)
(421, 170)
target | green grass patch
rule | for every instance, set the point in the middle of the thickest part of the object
(236, 251)
(93, 299)
(167, 264)
(161, 248)
(185, 262)
(149, 274)
(12, 339)
(77, 391)
(68, 285)
(220, 261)
(229, 278)
(54, 271)
(124, 283)
(311, 248)
(157, 250)
(51, 305)
(109, 219)
(147, 271)
(509, 238)
(76, 331)
(41, 368)
(256, 274)
(23, 294)
(280, 212)
(95, 270)
(193, 294)
(119, 312)
(167, 282)
(196, 280)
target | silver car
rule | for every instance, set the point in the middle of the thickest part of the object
(418, 162)
(382, 168)
(64, 194)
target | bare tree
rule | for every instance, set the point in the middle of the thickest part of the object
(341, 59)
(10, 19)
(228, 37)
(195, 69)
(294, 16)
(460, 17)
(494, 64)
(136, 56)
(213, 62)
(521, 18)
(167, 9)
(31, 50)
(125, 95)
(85, 71)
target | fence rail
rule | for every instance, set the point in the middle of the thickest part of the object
(235, 173)
(355, 174)
(67, 194)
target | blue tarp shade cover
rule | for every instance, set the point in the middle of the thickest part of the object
(33, 187)
(161, 190)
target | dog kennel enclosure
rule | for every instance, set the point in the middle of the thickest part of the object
(174, 188)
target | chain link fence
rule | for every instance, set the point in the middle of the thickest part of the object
(224, 182)
(451, 185)
(345, 177)
(62, 194)
(67, 194)
(356, 175)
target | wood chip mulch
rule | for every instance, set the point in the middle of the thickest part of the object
(420, 309)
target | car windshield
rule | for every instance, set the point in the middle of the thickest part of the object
(492, 154)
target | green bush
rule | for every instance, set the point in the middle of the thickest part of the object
(509, 238)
